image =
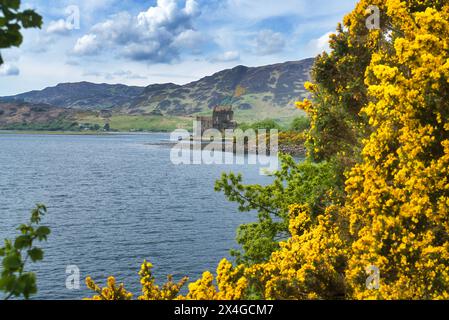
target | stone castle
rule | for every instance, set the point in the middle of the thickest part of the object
(222, 119)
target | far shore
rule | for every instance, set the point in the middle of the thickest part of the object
(37, 132)
(74, 133)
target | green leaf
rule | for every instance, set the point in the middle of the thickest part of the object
(42, 233)
(7, 282)
(12, 4)
(22, 242)
(36, 254)
(12, 262)
(27, 284)
(30, 19)
(37, 213)
(23, 228)
(14, 37)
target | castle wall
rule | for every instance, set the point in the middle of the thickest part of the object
(222, 119)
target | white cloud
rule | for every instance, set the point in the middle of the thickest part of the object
(60, 27)
(269, 42)
(120, 74)
(127, 74)
(321, 44)
(190, 39)
(9, 70)
(155, 35)
(227, 56)
(87, 45)
(167, 14)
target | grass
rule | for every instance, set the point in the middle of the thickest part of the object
(262, 111)
(43, 132)
(249, 117)
(148, 123)
(137, 123)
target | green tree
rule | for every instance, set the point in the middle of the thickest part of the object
(14, 280)
(267, 124)
(300, 124)
(12, 20)
(306, 182)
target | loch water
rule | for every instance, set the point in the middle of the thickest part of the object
(114, 201)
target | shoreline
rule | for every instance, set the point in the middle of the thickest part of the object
(293, 150)
(68, 133)
(73, 133)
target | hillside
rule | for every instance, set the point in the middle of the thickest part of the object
(272, 88)
(256, 93)
(23, 115)
(15, 112)
(82, 95)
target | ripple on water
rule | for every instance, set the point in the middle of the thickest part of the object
(114, 201)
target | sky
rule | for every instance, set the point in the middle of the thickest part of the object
(159, 41)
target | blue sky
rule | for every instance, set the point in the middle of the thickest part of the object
(157, 41)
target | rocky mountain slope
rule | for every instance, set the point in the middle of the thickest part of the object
(272, 88)
(82, 95)
(26, 112)
(23, 113)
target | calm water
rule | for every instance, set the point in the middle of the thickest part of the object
(114, 201)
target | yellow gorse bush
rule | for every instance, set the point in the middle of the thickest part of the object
(151, 291)
(310, 264)
(110, 292)
(231, 286)
(395, 213)
(398, 196)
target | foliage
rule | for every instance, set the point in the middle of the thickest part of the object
(231, 285)
(300, 124)
(239, 91)
(151, 291)
(310, 264)
(398, 201)
(305, 182)
(110, 292)
(55, 125)
(12, 21)
(267, 124)
(293, 141)
(293, 138)
(14, 280)
(395, 213)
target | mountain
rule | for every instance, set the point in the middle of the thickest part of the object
(23, 113)
(272, 88)
(82, 95)
(275, 87)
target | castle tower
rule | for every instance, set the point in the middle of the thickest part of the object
(223, 118)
